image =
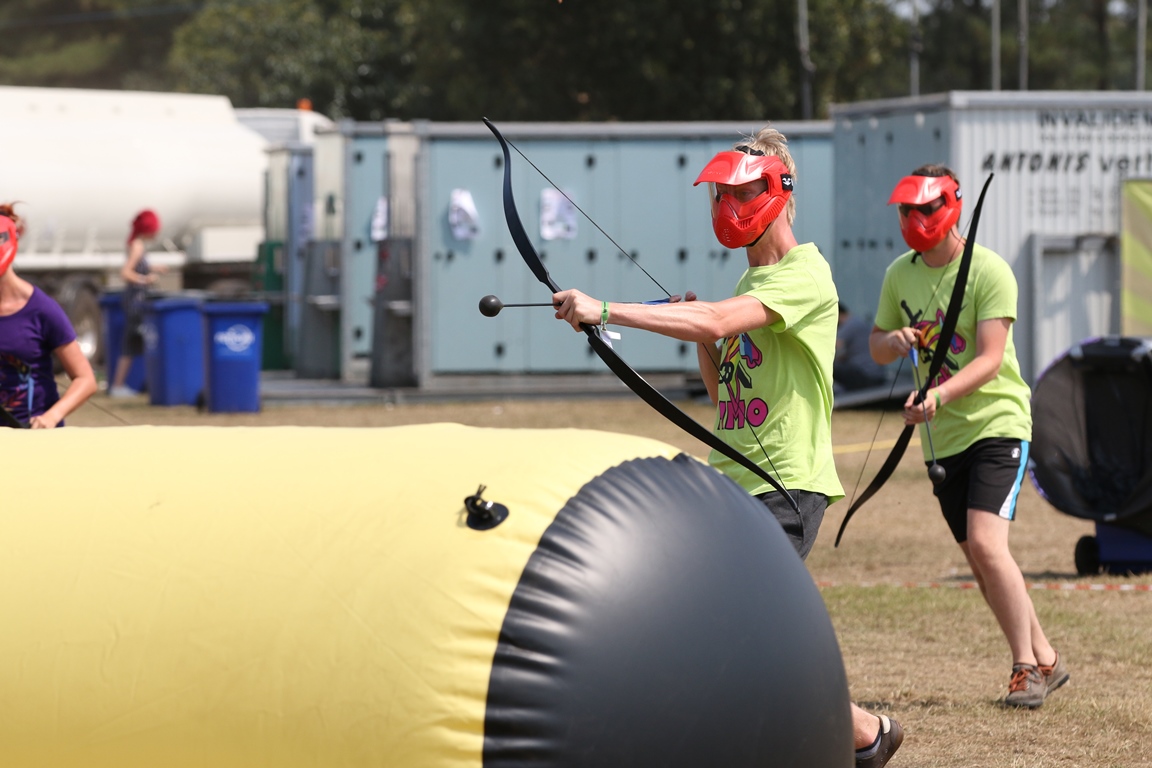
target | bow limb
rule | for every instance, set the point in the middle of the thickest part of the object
(956, 302)
(882, 476)
(947, 331)
(512, 216)
(8, 420)
(633, 380)
(668, 410)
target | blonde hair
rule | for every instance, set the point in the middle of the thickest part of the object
(936, 170)
(771, 142)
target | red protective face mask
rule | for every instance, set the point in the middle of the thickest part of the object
(8, 241)
(923, 228)
(739, 224)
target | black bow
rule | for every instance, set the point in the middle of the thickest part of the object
(615, 363)
(8, 420)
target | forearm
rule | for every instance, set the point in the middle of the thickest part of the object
(967, 380)
(991, 339)
(696, 321)
(77, 393)
(82, 386)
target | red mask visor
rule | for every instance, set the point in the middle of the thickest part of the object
(736, 223)
(8, 241)
(929, 208)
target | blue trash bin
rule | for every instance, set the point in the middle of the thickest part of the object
(174, 351)
(112, 309)
(233, 350)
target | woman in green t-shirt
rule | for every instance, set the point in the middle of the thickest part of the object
(771, 374)
(978, 406)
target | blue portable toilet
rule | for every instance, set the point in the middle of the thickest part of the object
(112, 308)
(233, 350)
(174, 351)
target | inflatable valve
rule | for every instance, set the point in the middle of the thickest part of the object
(484, 515)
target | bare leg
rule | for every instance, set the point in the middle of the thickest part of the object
(865, 727)
(123, 364)
(1043, 650)
(1003, 587)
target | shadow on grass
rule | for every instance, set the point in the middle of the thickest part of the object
(1052, 576)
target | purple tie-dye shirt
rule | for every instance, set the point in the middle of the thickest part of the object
(27, 340)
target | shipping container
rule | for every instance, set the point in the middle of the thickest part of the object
(634, 181)
(405, 232)
(1053, 208)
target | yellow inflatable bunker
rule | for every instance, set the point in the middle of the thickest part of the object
(329, 598)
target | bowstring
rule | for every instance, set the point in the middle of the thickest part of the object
(620, 248)
(590, 219)
(6, 417)
(879, 423)
(108, 412)
(751, 429)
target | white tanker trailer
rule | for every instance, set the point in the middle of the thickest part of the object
(82, 163)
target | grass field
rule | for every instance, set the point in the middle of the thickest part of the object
(917, 644)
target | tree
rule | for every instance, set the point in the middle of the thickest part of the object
(535, 60)
(87, 44)
(649, 59)
(957, 47)
(861, 51)
(1102, 36)
(551, 60)
(270, 53)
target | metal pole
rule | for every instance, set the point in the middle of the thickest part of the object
(1023, 39)
(1141, 41)
(995, 45)
(914, 52)
(806, 65)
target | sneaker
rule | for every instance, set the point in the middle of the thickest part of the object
(121, 392)
(1027, 687)
(891, 737)
(1055, 675)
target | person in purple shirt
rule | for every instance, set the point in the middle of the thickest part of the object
(33, 331)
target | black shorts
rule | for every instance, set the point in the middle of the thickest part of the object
(985, 476)
(132, 343)
(801, 529)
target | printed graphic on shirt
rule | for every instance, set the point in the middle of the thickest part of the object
(15, 384)
(741, 357)
(928, 333)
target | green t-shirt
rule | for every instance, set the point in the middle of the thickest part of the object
(777, 380)
(917, 295)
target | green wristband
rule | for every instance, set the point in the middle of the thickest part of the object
(937, 393)
(603, 313)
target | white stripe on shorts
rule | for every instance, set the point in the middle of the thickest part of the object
(1008, 508)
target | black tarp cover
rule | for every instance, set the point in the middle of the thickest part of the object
(1092, 432)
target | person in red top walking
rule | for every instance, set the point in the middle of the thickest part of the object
(138, 275)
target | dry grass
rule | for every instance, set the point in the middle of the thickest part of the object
(931, 656)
